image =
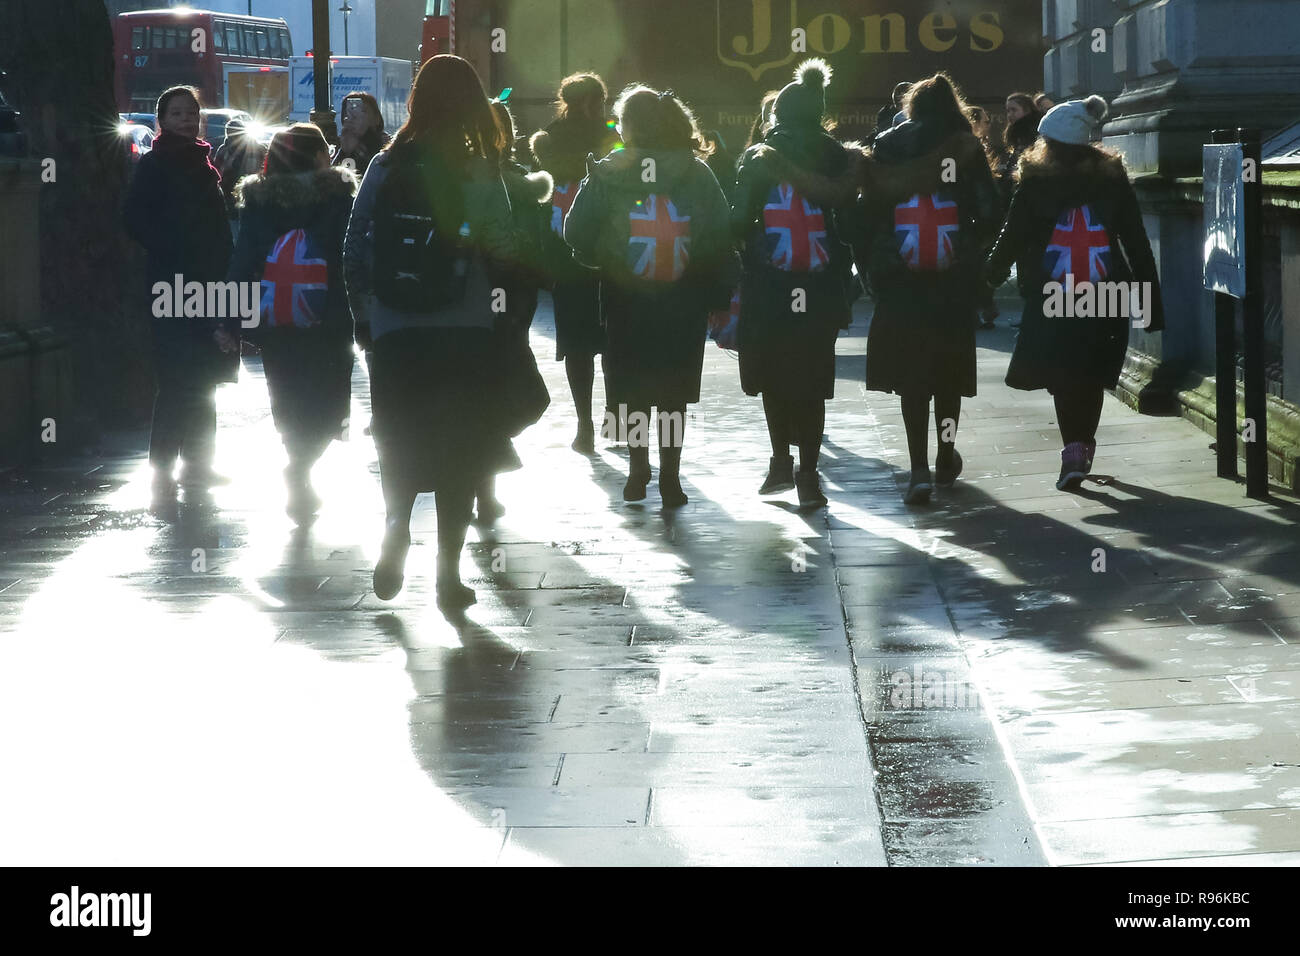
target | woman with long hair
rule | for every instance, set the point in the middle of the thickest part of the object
(653, 219)
(176, 210)
(763, 120)
(430, 221)
(578, 130)
(1069, 186)
(295, 214)
(362, 133)
(930, 207)
(1021, 132)
(793, 190)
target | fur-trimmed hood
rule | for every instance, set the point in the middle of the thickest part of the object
(563, 146)
(289, 190)
(826, 190)
(534, 187)
(891, 173)
(1096, 166)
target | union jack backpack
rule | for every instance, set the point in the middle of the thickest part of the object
(1080, 246)
(659, 240)
(295, 282)
(795, 231)
(561, 200)
(925, 231)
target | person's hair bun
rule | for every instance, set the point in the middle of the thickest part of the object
(1096, 107)
(815, 72)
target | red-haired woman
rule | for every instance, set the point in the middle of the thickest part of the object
(429, 222)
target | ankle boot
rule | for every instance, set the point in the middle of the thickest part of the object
(780, 475)
(638, 475)
(390, 571)
(670, 479)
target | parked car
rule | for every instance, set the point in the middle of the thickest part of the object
(144, 119)
(214, 124)
(138, 140)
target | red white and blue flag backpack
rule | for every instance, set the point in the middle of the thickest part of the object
(561, 200)
(926, 229)
(295, 282)
(795, 230)
(1080, 246)
(659, 239)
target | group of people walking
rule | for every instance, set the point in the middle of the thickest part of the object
(432, 263)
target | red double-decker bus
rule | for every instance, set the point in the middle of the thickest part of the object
(156, 49)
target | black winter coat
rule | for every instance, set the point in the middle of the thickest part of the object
(922, 336)
(530, 211)
(780, 349)
(1053, 352)
(561, 150)
(176, 210)
(657, 329)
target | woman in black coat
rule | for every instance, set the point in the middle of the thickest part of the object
(176, 210)
(430, 222)
(664, 250)
(578, 131)
(929, 206)
(1075, 224)
(792, 190)
(292, 221)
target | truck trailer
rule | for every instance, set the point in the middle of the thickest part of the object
(387, 79)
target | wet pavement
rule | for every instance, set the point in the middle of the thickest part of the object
(737, 682)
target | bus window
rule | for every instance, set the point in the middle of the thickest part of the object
(232, 39)
(250, 42)
(273, 39)
(139, 38)
(159, 38)
(263, 43)
(173, 38)
(286, 47)
(218, 37)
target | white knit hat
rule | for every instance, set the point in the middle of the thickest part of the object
(1075, 121)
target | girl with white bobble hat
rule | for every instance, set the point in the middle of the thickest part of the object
(1087, 274)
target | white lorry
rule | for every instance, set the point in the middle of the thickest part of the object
(262, 91)
(386, 79)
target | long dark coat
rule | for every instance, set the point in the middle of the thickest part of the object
(561, 150)
(1059, 352)
(922, 336)
(176, 210)
(656, 330)
(782, 351)
(308, 370)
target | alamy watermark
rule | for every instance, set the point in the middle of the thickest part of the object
(1099, 300)
(208, 300)
(75, 908)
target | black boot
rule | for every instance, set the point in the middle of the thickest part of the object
(670, 479)
(390, 572)
(638, 475)
(453, 596)
(780, 476)
(303, 502)
(162, 503)
(810, 488)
